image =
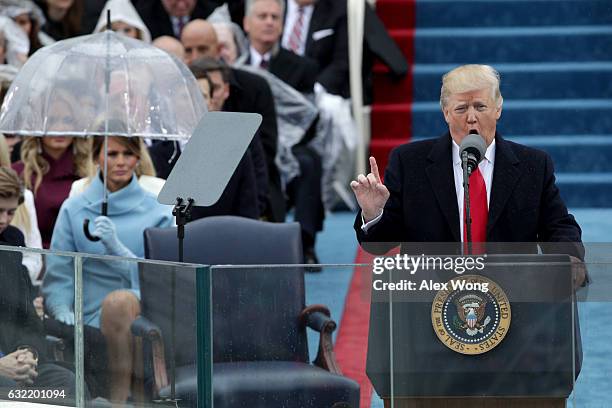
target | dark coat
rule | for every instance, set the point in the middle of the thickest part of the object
(299, 72)
(19, 323)
(157, 19)
(525, 205)
(251, 93)
(330, 51)
(239, 196)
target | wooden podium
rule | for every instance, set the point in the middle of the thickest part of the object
(476, 403)
(533, 366)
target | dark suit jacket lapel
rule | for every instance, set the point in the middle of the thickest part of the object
(442, 179)
(506, 174)
(317, 15)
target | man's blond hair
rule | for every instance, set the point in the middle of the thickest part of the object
(471, 77)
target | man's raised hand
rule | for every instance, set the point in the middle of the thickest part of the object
(370, 192)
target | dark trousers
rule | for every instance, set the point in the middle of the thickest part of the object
(304, 193)
(96, 361)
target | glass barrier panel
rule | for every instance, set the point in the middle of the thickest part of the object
(594, 316)
(145, 332)
(144, 328)
(274, 336)
(37, 365)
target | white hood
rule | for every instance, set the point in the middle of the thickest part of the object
(123, 10)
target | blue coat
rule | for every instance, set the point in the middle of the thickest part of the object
(132, 210)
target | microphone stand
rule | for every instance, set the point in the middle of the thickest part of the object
(466, 202)
(182, 212)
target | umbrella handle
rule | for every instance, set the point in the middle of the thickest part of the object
(86, 231)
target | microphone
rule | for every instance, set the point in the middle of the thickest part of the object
(474, 146)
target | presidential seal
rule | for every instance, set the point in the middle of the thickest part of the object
(471, 315)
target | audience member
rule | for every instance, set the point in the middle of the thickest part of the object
(144, 170)
(25, 219)
(124, 19)
(263, 24)
(14, 46)
(110, 288)
(240, 195)
(171, 45)
(232, 43)
(169, 17)
(50, 164)
(30, 18)
(63, 17)
(247, 93)
(318, 29)
(23, 361)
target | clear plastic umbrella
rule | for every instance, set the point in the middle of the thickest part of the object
(81, 86)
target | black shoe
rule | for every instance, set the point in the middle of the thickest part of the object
(310, 258)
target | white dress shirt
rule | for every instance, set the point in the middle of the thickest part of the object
(290, 18)
(486, 169)
(256, 57)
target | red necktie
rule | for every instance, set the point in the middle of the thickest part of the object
(295, 39)
(478, 210)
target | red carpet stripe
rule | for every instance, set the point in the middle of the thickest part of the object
(392, 108)
(352, 340)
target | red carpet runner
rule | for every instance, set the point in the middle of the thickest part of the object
(352, 341)
(392, 107)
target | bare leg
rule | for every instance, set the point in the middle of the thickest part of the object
(119, 310)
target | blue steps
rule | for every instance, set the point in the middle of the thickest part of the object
(555, 62)
(518, 79)
(574, 154)
(528, 117)
(512, 13)
(502, 45)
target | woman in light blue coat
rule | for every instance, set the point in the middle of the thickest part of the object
(110, 288)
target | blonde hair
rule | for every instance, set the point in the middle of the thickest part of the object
(35, 166)
(471, 77)
(21, 219)
(5, 156)
(10, 184)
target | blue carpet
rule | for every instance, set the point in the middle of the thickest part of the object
(336, 245)
(594, 383)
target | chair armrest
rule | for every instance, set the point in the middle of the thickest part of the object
(317, 317)
(143, 327)
(55, 347)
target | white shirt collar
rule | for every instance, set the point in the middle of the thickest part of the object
(256, 57)
(489, 153)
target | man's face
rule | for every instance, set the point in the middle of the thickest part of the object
(179, 8)
(199, 43)
(8, 206)
(474, 110)
(204, 86)
(220, 91)
(265, 23)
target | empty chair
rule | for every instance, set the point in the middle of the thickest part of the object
(260, 350)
